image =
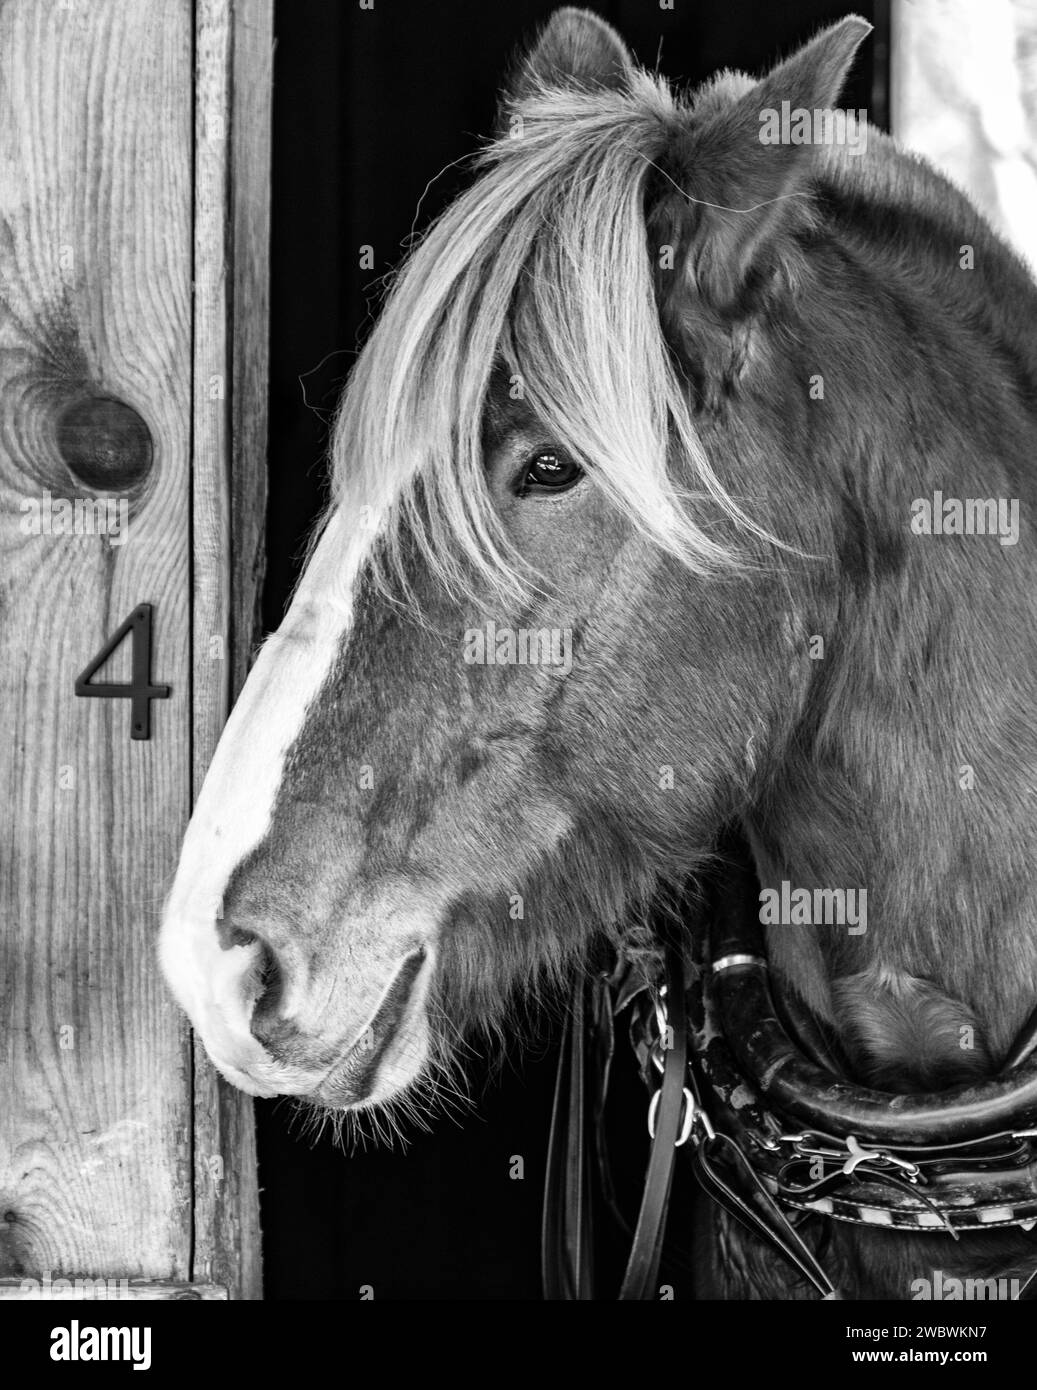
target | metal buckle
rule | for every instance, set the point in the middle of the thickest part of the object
(773, 1143)
(691, 1111)
(690, 1114)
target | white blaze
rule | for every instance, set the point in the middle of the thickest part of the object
(216, 986)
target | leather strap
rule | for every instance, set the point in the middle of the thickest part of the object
(643, 1265)
(566, 1238)
(726, 1175)
(566, 1244)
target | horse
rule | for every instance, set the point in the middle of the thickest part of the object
(666, 498)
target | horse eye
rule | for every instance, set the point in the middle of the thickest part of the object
(549, 472)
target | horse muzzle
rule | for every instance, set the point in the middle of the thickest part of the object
(277, 1021)
(358, 1066)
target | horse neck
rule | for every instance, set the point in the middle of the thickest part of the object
(913, 779)
(911, 768)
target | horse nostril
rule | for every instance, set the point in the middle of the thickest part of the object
(268, 999)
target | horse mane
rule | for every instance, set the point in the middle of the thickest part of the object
(542, 269)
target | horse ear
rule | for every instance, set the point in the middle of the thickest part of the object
(738, 189)
(574, 47)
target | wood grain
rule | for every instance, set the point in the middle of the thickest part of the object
(110, 1163)
(31, 1291)
(234, 62)
(95, 268)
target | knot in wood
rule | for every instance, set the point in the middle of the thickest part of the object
(104, 443)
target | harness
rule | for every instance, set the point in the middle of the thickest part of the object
(754, 1092)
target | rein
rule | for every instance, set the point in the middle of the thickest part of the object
(566, 1237)
(775, 1133)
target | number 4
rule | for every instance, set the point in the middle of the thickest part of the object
(139, 690)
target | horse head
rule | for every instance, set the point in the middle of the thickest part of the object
(620, 549)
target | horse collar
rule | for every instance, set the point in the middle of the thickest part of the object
(775, 1135)
(953, 1161)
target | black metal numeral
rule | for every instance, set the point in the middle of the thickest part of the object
(140, 690)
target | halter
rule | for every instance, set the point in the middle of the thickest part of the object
(774, 1132)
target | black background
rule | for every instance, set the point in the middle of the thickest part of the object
(369, 106)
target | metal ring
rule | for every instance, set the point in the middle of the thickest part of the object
(737, 958)
(688, 1114)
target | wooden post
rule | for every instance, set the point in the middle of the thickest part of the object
(134, 153)
(234, 82)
